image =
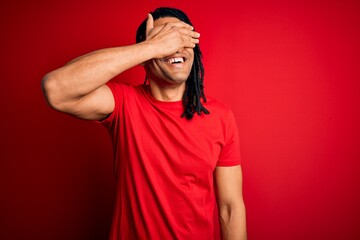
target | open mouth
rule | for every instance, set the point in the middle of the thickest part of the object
(175, 60)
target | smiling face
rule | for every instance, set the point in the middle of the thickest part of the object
(171, 70)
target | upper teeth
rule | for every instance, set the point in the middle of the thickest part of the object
(178, 59)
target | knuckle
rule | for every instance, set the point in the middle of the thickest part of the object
(178, 34)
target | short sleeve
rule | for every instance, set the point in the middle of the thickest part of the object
(230, 152)
(117, 90)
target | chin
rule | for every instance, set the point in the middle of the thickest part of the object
(178, 81)
(179, 78)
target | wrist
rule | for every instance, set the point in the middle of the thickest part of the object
(148, 48)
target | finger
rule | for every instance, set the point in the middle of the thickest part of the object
(194, 41)
(190, 45)
(180, 24)
(192, 34)
(149, 24)
(190, 42)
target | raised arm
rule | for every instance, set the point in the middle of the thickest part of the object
(79, 88)
(231, 204)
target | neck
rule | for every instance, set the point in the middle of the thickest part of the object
(168, 93)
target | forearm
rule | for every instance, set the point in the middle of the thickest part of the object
(233, 222)
(87, 73)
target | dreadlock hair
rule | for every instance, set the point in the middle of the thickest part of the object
(194, 90)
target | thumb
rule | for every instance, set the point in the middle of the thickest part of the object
(149, 24)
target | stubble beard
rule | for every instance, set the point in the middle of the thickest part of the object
(165, 76)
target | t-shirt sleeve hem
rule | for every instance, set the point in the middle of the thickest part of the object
(109, 117)
(228, 163)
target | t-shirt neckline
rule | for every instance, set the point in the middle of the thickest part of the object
(172, 104)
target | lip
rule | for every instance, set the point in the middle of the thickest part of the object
(176, 56)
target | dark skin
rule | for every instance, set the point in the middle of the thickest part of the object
(79, 89)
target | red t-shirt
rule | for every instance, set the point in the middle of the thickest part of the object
(164, 165)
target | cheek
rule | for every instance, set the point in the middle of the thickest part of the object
(151, 66)
(191, 62)
(191, 59)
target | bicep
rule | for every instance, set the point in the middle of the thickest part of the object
(93, 106)
(229, 185)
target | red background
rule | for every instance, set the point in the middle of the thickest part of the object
(290, 72)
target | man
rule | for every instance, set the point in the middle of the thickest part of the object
(176, 152)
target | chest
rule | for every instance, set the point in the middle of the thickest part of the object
(163, 136)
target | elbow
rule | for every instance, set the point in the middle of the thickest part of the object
(233, 221)
(225, 214)
(228, 212)
(50, 88)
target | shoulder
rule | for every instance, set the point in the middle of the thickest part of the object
(123, 88)
(217, 107)
(119, 85)
(220, 112)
